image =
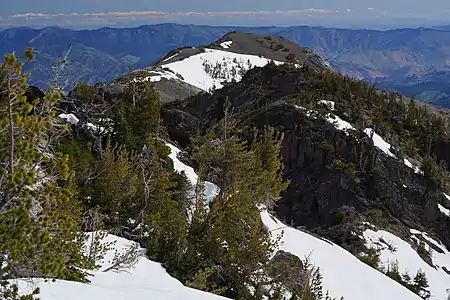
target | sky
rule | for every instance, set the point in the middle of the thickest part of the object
(330, 13)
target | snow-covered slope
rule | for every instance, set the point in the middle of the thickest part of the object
(211, 190)
(344, 275)
(146, 280)
(209, 69)
(409, 261)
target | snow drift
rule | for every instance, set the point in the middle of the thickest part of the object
(146, 280)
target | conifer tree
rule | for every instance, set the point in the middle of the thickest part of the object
(421, 284)
(234, 243)
(137, 115)
(269, 181)
(162, 213)
(39, 211)
(114, 184)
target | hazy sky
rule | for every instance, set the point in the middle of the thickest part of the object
(366, 13)
(56, 6)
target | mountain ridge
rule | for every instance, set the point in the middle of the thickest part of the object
(187, 71)
(370, 55)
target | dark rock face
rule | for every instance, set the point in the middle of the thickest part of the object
(318, 189)
(181, 125)
(33, 93)
(322, 196)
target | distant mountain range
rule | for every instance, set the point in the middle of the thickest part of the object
(413, 61)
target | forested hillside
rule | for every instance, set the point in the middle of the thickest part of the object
(268, 187)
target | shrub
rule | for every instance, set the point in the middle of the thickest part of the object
(348, 168)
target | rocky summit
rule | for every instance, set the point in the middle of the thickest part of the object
(186, 71)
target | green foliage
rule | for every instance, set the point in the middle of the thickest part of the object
(221, 249)
(114, 183)
(232, 238)
(433, 172)
(202, 281)
(418, 284)
(422, 251)
(12, 292)
(269, 167)
(137, 115)
(338, 217)
(393, 272)
(375, 214)
(371, 257)
(312, 289)
(413, 128)
(81, 159)
(348, 168)
(218, 247)
(39, 212)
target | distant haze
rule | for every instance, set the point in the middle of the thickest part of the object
(338, 13)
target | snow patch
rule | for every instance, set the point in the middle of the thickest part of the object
(379, 142)
(339, 123)
(211, 190)
(146, 280)
(170, 57)
(329, 104)
(409, 261)
(326, 63)
(226, 44)
(347, 127)
(416, 169)
(157, 75)
(369, 224)
(70, 118)
(193, 71)
(384, 146)
(360, 281)
(444, 210)
(447, 196)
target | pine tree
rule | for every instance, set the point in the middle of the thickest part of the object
(163, 214)
(234, 243)
(39, 211)
(114, 184)
(137, 115)
(420, 285)
(269, 181)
